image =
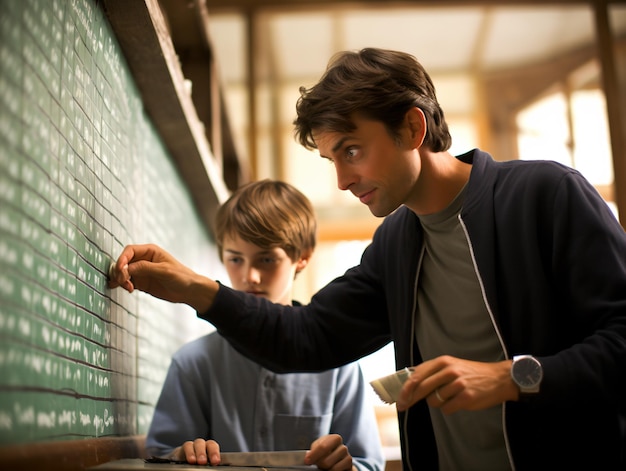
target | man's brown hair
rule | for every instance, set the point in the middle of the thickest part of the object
(372, 83)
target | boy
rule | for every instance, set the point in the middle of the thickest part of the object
(216, 399)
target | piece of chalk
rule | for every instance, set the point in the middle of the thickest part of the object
(111, 270)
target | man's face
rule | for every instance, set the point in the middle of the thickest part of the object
(377, 169)
(268, 273)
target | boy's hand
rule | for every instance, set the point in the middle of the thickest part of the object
(197, 451)
(329, 453)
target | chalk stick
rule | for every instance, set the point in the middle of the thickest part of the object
(111, 270)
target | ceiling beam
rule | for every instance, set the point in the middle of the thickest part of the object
(608, 50)
(249, 5)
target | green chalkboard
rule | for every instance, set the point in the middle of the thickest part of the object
(82, 173)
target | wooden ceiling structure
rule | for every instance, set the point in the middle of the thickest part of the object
(503, 92)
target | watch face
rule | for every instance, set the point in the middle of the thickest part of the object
(527, 372)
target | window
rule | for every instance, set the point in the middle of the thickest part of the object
(573, 130)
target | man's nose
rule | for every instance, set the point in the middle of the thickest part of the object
(345, 178)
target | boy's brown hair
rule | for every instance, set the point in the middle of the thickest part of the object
(269, 214)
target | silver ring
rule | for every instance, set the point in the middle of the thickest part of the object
(441, 399)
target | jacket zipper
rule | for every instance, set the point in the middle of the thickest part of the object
(497, 330)
(413, 314)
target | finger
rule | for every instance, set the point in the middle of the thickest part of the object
(178, 454)
(338, 460)
(120, 278)
(409, 395)
(438, 398)
(128, 286)
(112, 275)
(423, 381)
(199, 448)
(132, 253)
(135, 253)
(188, 452)
(322, 447)
(345, 464)
(449, 397)
(140, 274)
(118, 270)
(410, 391)
(213, 450)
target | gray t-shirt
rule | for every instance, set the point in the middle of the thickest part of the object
(452, 319)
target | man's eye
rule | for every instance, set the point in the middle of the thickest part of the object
(351, 153)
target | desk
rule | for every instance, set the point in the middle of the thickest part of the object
(140, 464)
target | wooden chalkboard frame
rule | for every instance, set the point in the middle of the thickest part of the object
(142, 32)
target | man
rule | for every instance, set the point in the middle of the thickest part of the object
(502, 283)
(214, 399)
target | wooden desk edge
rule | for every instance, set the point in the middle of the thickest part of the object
(70, 455)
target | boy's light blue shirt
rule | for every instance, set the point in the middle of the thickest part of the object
(212, 391)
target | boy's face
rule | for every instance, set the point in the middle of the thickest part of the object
(268, 273)
(376, 168)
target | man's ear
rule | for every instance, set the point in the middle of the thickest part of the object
(416, 121)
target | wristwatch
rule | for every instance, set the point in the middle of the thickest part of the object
(527, 373)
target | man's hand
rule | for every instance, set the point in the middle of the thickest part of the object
(329, 453)
(196, 452)
(453, 384)
(151, 269)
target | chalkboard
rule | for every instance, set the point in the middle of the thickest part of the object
(82, 173)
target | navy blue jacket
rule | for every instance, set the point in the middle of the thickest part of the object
(551, 260)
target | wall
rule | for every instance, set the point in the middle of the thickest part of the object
(82, 173)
